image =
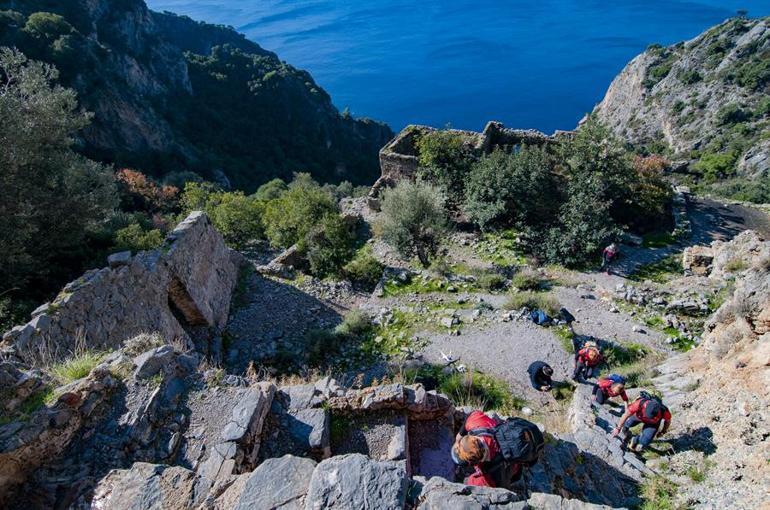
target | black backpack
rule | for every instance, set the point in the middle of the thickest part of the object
(520, 440)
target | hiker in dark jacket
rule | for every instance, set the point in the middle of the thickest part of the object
(540, 374)
(482, 453)
(649, 411)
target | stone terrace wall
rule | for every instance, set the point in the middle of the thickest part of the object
(399, 158)
(185, 284)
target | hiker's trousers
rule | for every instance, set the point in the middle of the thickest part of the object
(648, 430)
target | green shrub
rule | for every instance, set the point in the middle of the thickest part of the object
(658, 493)
(480, 391)
(690, 77)
(364, 270)
(490, 281)
(76, 367)
(527, 279)
(328, 246)
(356, 323)
(271, 190)
(512, 189)
(322, 346)
(236, 216)
(754, 74)
(414, 219)
(532, 301)
(732, 114)
(135, 238)
(47, 25)
(445, 159)
(295, 212)
(617, 355)
(713, 165)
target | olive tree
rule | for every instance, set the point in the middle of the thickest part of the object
(414, 219)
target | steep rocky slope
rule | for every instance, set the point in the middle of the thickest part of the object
(719, 391)
(699, 98)
(170, 94)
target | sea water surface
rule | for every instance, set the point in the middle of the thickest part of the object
(530, 64)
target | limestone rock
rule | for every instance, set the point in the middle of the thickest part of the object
(279, 483)
(353, 482)
(148, 487)
(440, 494)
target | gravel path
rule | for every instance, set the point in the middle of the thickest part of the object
(506, 351)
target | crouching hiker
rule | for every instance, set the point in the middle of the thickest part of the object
(587, 362)
(540, 374)
(611, 386)
(649, 411)
(497, 451)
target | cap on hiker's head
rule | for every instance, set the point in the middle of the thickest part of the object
(651, 409)
(470, 449)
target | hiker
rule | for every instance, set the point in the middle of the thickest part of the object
(611, 386)
(540, 374)
(609, 253)
(648, 410)
(497, 451)
(587, 361)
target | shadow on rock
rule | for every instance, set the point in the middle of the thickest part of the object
(569, 472)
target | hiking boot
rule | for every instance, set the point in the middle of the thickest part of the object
(634, 444)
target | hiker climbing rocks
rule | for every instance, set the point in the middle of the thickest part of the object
(540, 374)
(608, 254)
(611, 386)
(587, 361)
(648, 410)
(497, 451)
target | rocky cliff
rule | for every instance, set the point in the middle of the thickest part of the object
(719, 391)
(700, 98)
(170, 94)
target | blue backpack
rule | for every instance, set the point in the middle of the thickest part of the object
(617, 379)
(539, 317)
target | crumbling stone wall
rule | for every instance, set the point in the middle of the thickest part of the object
(399, 158)
(186, 283)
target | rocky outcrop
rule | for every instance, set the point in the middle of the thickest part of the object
(693, 92)
(183, 286)
(719, 394)
(726, 258)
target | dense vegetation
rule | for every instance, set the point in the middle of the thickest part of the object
(567, 201)
(180, 96)
(731, 60)
(52, 198)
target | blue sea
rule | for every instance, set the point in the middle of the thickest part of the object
(530, 64)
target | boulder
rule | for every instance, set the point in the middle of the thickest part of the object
(151, 362)
(697, 260)
(440, 494)
(148, 487)
(279, 483)
(353, 482)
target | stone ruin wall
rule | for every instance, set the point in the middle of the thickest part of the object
(399, 158)
(184, 285)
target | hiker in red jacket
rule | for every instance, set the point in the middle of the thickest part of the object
(649, 411)
(608, 387)
(482, 452)
(587, 361)
(608, 254)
